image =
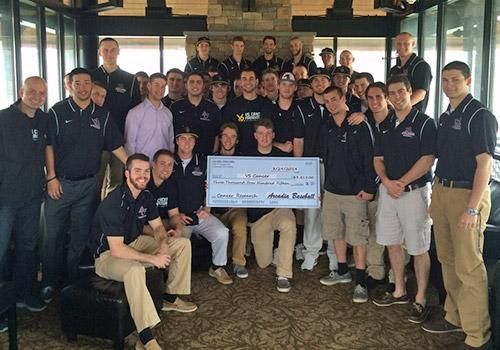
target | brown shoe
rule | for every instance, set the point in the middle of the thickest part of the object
(220, 274)
(151, 345)
(179, 305)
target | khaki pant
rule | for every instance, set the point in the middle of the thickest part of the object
(133, 275)
(110, 174)
(236, 220)
(262, 230)
(375, 265)
(460, 254)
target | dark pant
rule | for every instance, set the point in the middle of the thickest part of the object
(76, 207)
(20, 222)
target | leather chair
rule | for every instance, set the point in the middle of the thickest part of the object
(8, 307)
(98, 307)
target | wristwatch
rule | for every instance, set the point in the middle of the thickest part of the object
(472, 212)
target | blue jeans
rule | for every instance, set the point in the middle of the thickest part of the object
(21, 223)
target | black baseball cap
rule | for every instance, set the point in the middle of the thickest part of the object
(186, 129)
(219, 79)
(342, 70)
(203, 39)
(327, 50)
(321, 72)
(303, 82)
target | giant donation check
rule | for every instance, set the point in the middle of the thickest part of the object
(263, 182)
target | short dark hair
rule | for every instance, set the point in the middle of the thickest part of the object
(269, 37)
(135, 156)
(108, 39)
(162, 152)
(248, 69)
(174, 70)
(157, 76)
(364, 75)
(399, 79)
(199, 74)
(229, 125)
(334, 88)
(459, 65)
(265, 122)
(378, 85)
(237, 38)
(99, 84)
(79, 70)
(142, 74)
(270, 71)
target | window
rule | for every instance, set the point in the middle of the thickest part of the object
(495, 76)
(463, 25)
(174, 53)
(410, 25)
(319, 44)
(430, 55)
(30, 64)
(69, 45)
(368, 53)
(138, 53)
(7, 93)
(54, 81)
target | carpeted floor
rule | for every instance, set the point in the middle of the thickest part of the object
(251, 314)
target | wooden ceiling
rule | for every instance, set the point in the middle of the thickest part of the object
(200, 7)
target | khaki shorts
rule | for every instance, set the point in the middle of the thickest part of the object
(346, 218)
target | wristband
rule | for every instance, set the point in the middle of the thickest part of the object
(52, 178)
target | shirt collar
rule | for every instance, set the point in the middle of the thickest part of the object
(149, 104)
(462, 105)
(74, 107)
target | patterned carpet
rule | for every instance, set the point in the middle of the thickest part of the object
(251, 314)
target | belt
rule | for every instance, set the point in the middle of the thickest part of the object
(415, 185)
(455, 184)
(77, 178)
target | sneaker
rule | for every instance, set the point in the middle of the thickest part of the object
(47, 294)
(151, 345)
(283, 284)
(360, 294)
(240, 271)
(32, 303)
(389, 299)
(334, 278)
(276, 254)
(309, 262)
(179, 305)
(419, 313)
(220, 275)
(3, 326)
(299, 252)
(440, 326)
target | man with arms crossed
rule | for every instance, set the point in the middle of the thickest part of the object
(461, 206)
(404, 155)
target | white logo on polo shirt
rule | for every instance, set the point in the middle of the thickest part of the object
(96, 124)
(205, 116)
(142, 212)
(162, 202)
(457, 124)
(408, 132)
(34, 134)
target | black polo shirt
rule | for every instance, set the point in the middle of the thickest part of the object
(308, 62)
(191, 183)
(419, 73)
(22, 155)
(204, 118)
(254, 214)
(196, 64)
(79, 136)
(308, 123)
(403, 145)
(244, 113)
(230, 69)
(353, 102)
(284, 123)
(123, 93)
(121, 215)
(378, 128)
(167, 101)
(463, 134)
(261, 64)
(167, 196)
(347, 153)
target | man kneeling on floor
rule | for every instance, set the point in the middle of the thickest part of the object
(122, 250)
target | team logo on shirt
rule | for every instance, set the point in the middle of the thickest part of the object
(96, 124)
(457, 124)
(240, 117)
(120, 88)
(197, 171)
(142, 212)
(343, 137)
(34, 134)
(408, 132)
(205, 116)
(162, 202)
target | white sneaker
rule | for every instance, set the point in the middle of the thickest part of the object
(276, 254)
(309, 262)
(299, 252)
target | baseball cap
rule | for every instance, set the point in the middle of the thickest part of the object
(342, 70)
(326, 50)
(219, 79)
(288, 78)
(321, 72)
(186, 129)
(203, 39)
(303, 82)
